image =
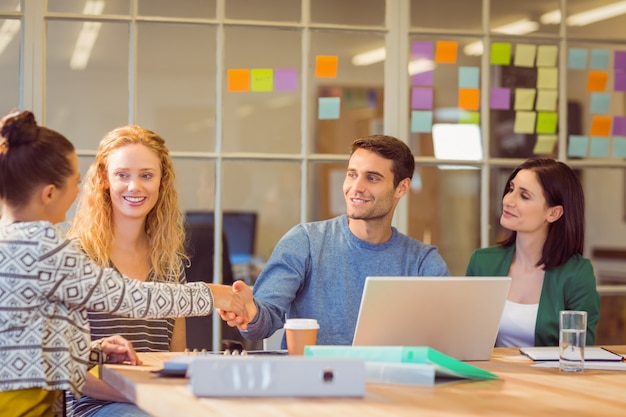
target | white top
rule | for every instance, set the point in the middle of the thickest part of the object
(517, 325)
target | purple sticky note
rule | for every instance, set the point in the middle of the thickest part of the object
(422, 78)
(619, 80)
(285, 80)
(422, 50)
(619, 126)
(620, 61)
(500, 98)
(422, 98)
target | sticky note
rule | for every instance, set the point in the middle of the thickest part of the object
(422, 78)
(545, 144)
(326, 66)
(262, 79)
(596, 81)
(469, 117)
(546, 122)
(619, 61)
(547, 78)
(599, 59)
(577, 58)
(619, 81)
(328, 108)
(422, 50)
(446, 52)
(601, 125)
(285, 79)
(524, 98)
(422, 98)
(577, 146)
(619, 126)
(600, 103)
(469, 77)
(546, 100)
(599, 147)
(500, 53)
(547, 55)
(524, 122)
(469, 98)
(421, 121)
(619, 147)
(525, 55)
(500, 98)
(238, 80)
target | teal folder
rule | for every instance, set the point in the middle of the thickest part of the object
(444, 365)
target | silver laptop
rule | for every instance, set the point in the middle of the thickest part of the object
(458, 316)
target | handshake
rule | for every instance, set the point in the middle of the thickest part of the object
(235, 304)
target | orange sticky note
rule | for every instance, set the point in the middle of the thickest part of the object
(596, 81)
(326, 66)
(446, 52)
(601, 126)
(469, 98)
(238, 80)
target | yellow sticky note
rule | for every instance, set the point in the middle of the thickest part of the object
(546, 100)
(238, 80)
(524, 98)
(545, 144)
(446, 52)
(326, 66)
(547, 55)
(469, 98)
(601, 125)
(262, 79)
(547, 78)
(596, 81)
(547, 122)
(525, 55)
(524, 122)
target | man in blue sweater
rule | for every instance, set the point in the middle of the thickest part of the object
(317, 270)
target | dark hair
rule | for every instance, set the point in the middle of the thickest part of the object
(30, 156)
(389, 148)
(561, 187)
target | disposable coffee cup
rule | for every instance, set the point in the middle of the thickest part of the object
(300, 333)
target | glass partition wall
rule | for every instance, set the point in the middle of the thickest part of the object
(259, 101)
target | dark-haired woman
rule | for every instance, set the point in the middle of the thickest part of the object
(543, 207)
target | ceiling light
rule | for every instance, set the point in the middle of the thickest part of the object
(87, 36)
(596, 15)
(520, 27)
(551, 18)
(369, 57)
(421, 65)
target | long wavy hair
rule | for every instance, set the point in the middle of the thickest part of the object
(92, 225)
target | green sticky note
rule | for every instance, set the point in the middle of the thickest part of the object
(524, 98)
(546, 122)
(577, 146)
(469, 117)
(545, 144)
(500, 53)
(547, 78)
(524, 122)
(262, 79)
(599, 147)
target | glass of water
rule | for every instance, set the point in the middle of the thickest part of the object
(572, 332)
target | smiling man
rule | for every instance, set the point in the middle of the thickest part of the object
(318, 269)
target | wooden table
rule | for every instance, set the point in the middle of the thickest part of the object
(521, 391)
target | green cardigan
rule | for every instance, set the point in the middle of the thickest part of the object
(571, 286)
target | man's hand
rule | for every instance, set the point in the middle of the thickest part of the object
(119, 350)
(249, 311)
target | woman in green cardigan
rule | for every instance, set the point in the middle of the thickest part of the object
(543, 207)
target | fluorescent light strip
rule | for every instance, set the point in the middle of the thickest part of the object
(87, 36)
(369, 57)
(588, 17)
(520, 27)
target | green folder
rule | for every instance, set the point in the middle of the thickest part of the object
(445, 366)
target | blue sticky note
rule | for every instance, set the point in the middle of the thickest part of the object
(421, 121)
(599, 59)
(577, 146)
(469, 77)
(577, 58)
(619, 147)
(328, 108)
(600, 103)
(599, 147)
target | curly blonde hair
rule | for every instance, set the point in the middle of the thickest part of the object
(92, 225)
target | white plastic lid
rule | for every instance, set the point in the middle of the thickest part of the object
(301, 324)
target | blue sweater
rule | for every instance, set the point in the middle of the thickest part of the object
(318, 270)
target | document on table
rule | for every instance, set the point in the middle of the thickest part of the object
(551, 353)
(597, 365)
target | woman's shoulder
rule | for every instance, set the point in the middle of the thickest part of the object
(492, 251)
